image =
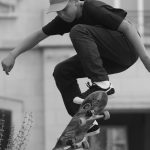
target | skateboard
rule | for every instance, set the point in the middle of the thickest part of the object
(91, 109)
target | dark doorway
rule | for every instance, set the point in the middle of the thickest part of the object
(133, 132)
(5, 128)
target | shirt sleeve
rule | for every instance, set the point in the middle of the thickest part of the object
(107, 16)
(56, 26)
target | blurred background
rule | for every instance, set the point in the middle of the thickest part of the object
(30, 87)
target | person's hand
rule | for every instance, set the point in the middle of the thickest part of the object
(8, 63)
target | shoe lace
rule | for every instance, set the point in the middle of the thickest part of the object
(91, 87)
(88, 85)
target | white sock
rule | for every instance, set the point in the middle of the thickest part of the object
(103, 84)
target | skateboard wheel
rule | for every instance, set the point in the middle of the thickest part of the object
(106, 115)
(85, 145)
(82, 121)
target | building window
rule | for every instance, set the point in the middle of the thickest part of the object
(7, 7)
(110, 138)
(5, 128)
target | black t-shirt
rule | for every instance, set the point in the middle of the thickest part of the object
(94, 13)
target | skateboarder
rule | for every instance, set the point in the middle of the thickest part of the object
(105, 42)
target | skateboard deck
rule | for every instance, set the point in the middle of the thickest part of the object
(91, 109)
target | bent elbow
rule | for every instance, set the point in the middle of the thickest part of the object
(125, 26)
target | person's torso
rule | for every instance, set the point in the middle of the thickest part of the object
(94, 12)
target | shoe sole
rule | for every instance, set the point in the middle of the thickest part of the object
(111, 91)
(78, 100)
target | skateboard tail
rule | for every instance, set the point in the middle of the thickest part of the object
(58, 148)
(58, 145)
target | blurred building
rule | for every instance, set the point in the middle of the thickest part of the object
(30, 87)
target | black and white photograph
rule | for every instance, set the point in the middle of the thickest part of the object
(74, 75)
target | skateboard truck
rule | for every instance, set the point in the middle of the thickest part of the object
(105, 115)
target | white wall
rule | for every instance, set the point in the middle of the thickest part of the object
(146, 4)
(27, 18)
(23, 92)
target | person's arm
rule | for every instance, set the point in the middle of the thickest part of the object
(131, 33)
(27, 44)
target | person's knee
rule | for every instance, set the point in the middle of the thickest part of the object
(58, 70)
(77, 30)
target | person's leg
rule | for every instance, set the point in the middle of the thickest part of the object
(113, 67)
(93, 43)
(88, 53)
(65, 75)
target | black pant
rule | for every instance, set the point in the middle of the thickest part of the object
(99, 52)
